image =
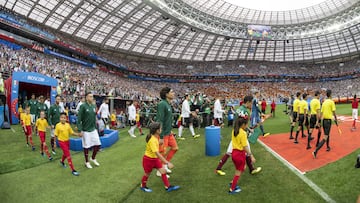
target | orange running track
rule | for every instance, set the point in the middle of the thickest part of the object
(302, 159)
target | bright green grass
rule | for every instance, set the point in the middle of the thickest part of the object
(28, 177)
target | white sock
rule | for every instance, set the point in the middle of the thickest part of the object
(180, 130)
(191, 128)
(132, 129)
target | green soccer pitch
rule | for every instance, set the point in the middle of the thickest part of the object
(25, 176)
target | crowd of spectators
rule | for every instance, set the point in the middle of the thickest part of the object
(243, 67)
(75, 80)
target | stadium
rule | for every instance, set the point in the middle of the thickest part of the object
(105, 69)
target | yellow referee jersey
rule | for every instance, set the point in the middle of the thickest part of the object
(303, 107)
(296, 105)
(314, 105)
(327, 109)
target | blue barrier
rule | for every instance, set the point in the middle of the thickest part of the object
(2, 114)
(10, 45)
(84, 63)
(110, 138)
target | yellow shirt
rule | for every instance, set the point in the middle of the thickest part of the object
(21, 116)
(296, 105)
(113, 117)
(314, 105)
(137, 117)
(20, 110)
(27, 119)
(62, 131)
(303, 106)
(327, 109)
(152, 146)
(41, 124)
(240, 141)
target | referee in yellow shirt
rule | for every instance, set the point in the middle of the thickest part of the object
(295, 113)
(315, 118)
(327, 112)
(302, 114)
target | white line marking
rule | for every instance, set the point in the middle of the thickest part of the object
(12, 129)
(300, 174)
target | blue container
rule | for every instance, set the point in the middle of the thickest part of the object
(212, 141)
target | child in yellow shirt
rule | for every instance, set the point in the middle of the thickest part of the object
(41, 125)
(20, 111)
(27, 127)
(113, 119)
(153, 159)
(62, 131)
(240, 149)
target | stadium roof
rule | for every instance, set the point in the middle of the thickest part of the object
(202, 30)
(273, 12)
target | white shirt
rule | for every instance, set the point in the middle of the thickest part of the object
(62, 108)
(218, 112)
(132, 112)
(185, 109)
(104, 110)
(47, 103)
(78, 106)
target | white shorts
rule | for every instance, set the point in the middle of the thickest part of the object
(230, 147)
(355, 114)
(32, 118)
(90, 139)
(52, 132)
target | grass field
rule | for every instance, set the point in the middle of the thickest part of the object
(25, 176)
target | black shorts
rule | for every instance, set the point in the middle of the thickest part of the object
(294, 116)
(306, 121)
(301, 119)
(327, 126)
(187, 121)
(218, 121)
(132, 122)
(313, 122)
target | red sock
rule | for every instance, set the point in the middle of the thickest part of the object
(27, 139)
(70, 163)
(95, 150)
(234, 182)
(165, 180)
(31, 141)
(63, 158)
(170, 154)
(45, 148)
(354, 123)
(41, 147)
(249, 163)
(140, 130)
(144, 180)
(222, 161)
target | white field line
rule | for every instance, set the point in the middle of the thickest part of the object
(300, 174)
